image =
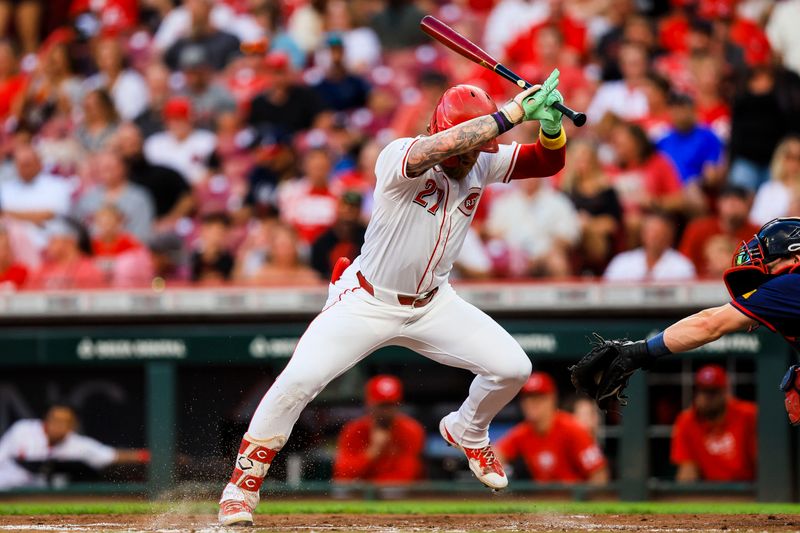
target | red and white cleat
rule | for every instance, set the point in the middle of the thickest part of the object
(236, 506)
(482, 461)
(235, 513)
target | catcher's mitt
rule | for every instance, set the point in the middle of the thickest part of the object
(603, 373)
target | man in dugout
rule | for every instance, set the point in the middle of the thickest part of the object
(715, 439)
(554, 446)
(383, 446)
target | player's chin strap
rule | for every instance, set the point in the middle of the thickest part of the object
(253, 460)
(792, 400)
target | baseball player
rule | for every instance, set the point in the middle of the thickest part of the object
(383, 446)
(397, 292)
(764, 284)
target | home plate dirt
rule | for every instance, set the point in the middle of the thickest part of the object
(170, 522)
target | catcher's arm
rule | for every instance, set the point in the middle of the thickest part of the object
(706, 326)
(604, 372)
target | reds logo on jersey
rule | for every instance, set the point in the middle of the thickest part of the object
(471, 201)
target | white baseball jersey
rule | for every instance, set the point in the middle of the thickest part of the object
(419, 224)
(26, 440)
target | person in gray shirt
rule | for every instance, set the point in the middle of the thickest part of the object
(209, 99)
(114, 188)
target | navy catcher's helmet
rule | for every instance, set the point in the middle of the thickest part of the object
(776, 239)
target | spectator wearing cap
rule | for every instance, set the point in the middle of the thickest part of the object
(773, 198)
(127, 87)
(729, 222)
(208, 98)
(220, 47)
(133, 201)
(307, 204)
(343, 239)
(655, 259)
(33, 196)
(340, 89)
(362, 49)
(383, 446)
(171, 194)
(65, 265)
(553, 445)
(715, 439)
(623, 98)
(287, 106)
(691, 147)
(181, 147)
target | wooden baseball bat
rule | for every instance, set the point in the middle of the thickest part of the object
(463, 46)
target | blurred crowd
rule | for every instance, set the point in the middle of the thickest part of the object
(154, 142)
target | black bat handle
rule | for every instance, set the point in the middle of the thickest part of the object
(577, 118)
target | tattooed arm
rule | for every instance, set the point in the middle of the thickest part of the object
(462, 138)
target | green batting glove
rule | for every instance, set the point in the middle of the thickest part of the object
(550, 117)
(538, 100)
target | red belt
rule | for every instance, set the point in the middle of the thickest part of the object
(419, 300)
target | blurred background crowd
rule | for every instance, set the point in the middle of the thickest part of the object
(157, 142)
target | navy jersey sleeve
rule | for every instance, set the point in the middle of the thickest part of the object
(775, 304)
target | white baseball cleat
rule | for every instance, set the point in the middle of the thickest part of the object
(236, 506)
(482, 461)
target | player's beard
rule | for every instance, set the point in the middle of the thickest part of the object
(465, 164)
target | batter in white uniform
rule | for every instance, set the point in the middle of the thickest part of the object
(397, 292)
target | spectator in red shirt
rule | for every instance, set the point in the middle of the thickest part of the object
(110, 238)
(384, 446)
(12, 83)
(523, 48)
(643, 178)
(117, 253)
(12, 273)
(307, 204)
(715, 439)
(550, 53)
(65, 265)
(553, 444)
(733, 206)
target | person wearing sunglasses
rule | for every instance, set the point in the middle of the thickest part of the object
(764, 284)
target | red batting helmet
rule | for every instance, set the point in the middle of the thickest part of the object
(383, 389)
(459, 104)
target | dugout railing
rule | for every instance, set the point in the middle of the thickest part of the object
(160, 336)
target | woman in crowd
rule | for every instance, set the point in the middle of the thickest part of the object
(600, 212)
(774, 196)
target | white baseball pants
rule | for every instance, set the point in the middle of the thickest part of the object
(354, 323)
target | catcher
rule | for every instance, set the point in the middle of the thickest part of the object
(764, 283)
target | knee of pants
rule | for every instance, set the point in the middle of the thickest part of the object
(517, 370)
(302, 388)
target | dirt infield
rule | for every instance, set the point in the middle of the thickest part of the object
(173, 523)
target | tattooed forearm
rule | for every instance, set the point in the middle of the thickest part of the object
(467, 136)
